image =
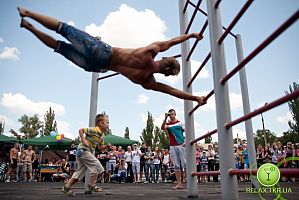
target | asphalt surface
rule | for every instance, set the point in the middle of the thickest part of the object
(129, 191)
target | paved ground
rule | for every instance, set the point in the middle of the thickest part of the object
(162, 191)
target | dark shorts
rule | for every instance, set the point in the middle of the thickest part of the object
(14, 163)
(85, 50)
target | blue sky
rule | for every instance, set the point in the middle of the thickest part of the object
(33, 77)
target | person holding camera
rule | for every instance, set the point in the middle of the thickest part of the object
(176, 139)
(120, 176)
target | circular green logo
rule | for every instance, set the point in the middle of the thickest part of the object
(268, 174)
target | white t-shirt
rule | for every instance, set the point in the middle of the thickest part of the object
(165, 160)
(156, 158)
(136, 155)
(128, 156)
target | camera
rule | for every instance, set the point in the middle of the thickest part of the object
(168, 115)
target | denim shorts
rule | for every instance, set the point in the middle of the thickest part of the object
(86, 51)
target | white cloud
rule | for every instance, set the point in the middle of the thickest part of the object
(10, 53)
(21, 104)
(71, 23)
(240, 133)
(129, 28)
(285, 119)
(7, 121)
(143, 99)
(1, 40)
(64, 128)
(235, 101)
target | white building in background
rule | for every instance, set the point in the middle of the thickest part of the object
(2, 125)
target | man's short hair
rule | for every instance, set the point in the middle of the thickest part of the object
(169, 66)
(171, 110)
(100, 118)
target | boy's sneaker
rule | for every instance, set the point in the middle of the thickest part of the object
(67, 191)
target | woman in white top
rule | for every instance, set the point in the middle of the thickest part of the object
(165, 163)
(136, 155)
(157, 162)
(128, 158)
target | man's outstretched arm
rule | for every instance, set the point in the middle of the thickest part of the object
(165, 45)
(161, 87)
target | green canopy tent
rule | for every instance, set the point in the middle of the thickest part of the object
(118, 141)
(4, 138)
(48, 142)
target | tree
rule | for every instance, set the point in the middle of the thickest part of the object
(153, 136)
(31, 126)
(147, 133)
(50, 122)
(208, 140)
(15, 134)
(259, 137)
(127, 133)
(164, 141)
(289, 136)
(294, 109)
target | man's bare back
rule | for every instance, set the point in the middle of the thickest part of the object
(138, 65)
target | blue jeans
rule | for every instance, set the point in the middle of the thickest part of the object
(120, 177)
(156, 172)
(85, 50)
(149, 168)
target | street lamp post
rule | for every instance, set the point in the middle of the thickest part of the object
(264, 132)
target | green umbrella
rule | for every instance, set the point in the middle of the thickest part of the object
(48, 141)
(118, 141)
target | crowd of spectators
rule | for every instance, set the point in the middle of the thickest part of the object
(144, 164)
(275, 153)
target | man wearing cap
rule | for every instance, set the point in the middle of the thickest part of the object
(176, 139)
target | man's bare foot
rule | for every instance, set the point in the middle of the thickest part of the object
(22, 11)
(178, 187)
(25, 23)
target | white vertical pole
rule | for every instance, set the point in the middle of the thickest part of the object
(92, 112)
(246, 110)
(229, 187)
(192, 190)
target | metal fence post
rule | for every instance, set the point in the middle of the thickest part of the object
(92, 112)
(246, 110)
(229, 187)
(192, 190)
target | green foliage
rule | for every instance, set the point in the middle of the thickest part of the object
(50, 122)
(164, 140)
(294, 109)
(259, 137)
(31, 126)
(127, 133)
(147, 133)
(153, 136)
(208, 140)
(289, 136)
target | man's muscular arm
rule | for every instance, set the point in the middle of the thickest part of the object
(161, 87)
(165, 45)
